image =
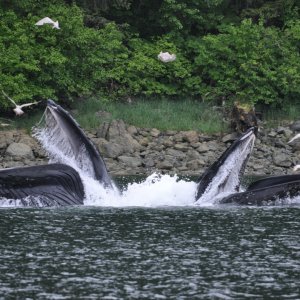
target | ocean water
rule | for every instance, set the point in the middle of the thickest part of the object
(149, 241)
(165, 252)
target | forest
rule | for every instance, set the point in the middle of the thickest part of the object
(226, 50)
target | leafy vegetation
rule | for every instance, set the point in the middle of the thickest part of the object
(226, 51)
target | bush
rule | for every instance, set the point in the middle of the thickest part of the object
(41, 62)
(249, 63)
(146, 75)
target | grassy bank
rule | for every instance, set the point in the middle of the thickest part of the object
(161, 114)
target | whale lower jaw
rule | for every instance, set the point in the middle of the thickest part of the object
(275, 190)
(39, 186)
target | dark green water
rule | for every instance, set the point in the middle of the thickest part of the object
(157, 253)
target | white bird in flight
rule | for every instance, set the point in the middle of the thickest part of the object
(166, 57)
(47, 20)
(18, 109)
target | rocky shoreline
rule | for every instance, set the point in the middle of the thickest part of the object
(128, 150)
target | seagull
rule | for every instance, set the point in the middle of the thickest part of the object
(297, 136)
(47, 20)
(166, 57)
(18, 109)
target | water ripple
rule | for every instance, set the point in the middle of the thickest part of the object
(139, 253)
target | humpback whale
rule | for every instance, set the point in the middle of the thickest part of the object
(48, 185)
(224, 175)
(59, 184)
(267, 191)
(64, 132)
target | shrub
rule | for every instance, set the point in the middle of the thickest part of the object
(249, 63)
(40, 62)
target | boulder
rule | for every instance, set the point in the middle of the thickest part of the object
(102, 131)
(6, 138)
(203, 148)
(191, 136)
(281, 159)
(230, 137)
(154, 132)
(129, 161)
(175, 153)
(19, 151)
(295, 126)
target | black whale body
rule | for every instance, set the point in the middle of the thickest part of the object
(48, 185)
(78, 140)
(60, 184)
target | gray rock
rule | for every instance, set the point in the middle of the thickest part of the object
(191, 136)
(230, 137)
(295, 126)
(181, 147)
(295, 145)
(116, 130)
(112, 150)
(132, 130)
(144, 141)
(178, 137)
(148, 162)
(19, 150)
(132, 162)
(6, 138)
(203, 148)
(168, 142)
(176, 153)
(193, 154)
(154, 132)
(281, 159)
(165, 165)
(272, 134)
(280, 144)
(102, 131)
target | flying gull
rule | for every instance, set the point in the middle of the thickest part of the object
(18, 109)
(47, 20)
(166, 57)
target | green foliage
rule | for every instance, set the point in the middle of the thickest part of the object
(218, 56)
(145, 74)
(41, 62)
(249, 63)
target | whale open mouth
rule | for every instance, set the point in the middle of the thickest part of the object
(224, 175)
(66, 141)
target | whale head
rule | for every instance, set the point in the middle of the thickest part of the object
(224, 175)
(65, 137)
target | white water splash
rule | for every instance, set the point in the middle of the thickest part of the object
(156, 190)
